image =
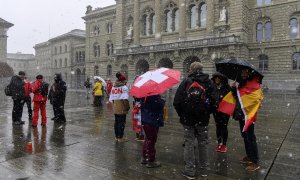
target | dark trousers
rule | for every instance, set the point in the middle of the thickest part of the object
(149, 143)
(98, 100)
(120, 121)
(58, 109)
(28, 103)
(250, 142)
(221, 121)
(17, 110)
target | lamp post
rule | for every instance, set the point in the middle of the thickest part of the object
(72, 73)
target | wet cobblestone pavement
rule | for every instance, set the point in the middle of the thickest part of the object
(84, 148)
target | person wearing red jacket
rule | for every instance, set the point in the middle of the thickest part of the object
(39, 102)
(28, 91)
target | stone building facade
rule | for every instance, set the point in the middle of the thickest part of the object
(22, 62)
(146, 34)
(5, 69)
(64, 54)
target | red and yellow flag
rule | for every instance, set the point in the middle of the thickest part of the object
(250, 97)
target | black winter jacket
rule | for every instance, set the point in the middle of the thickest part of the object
(58, 92)
(17, 88)
(179, 100)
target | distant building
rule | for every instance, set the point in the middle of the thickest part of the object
(21, 62)
(63, 54)
(134, 36)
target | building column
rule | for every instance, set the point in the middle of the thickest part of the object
(158, 20)
(119, 23)
(136, 19)
(210, 17)
(182, 19)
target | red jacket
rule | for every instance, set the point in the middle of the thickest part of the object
(36, 89)
(28, 88)
(109, 86)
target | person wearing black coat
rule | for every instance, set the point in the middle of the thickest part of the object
(18, 95)
(221, 89)
(195, 125)
(57, 96)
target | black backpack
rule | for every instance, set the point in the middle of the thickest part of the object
(44, 89)
(196, 98)
(8, 90)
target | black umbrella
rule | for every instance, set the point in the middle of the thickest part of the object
(232, 68)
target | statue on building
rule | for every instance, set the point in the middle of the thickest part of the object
(223, 14)
(130, 31)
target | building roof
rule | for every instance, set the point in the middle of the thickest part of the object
(20, 56)
(5, 70)
(41, 45)
(74, 33)
(102, 11)
(5, 23)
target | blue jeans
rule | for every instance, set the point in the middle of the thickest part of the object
(87, 92)
(120, 121)
(250, 142)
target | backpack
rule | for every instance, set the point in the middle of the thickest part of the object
(8, 90)
(196, 99)
(44, 89)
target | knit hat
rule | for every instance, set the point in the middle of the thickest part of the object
(39, 76)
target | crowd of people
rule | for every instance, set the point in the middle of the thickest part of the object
(20, 89)
(197, 97)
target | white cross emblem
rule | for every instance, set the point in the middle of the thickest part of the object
(155, 76)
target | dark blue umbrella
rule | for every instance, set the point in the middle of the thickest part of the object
(232, 68)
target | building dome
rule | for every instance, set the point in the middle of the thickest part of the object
(5, 70)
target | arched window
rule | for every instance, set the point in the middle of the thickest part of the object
(263, 2)
(96, 50)
(176, 16)
(109, 28)
(66, 62)
(109, 48)
(169, 21)
(55, 63)
(96, 30)
(259, 32)
(66, 48)
(55, 50)
(144, 25)
(203, 15)
(268, 31)
(293, 28)
(96, 70)
(263, 62)
(259, 2)
(193, 17)
(109, 70)
(296, 61)
(60, 49)
(83, 55)
(268, 2)
(153, 24)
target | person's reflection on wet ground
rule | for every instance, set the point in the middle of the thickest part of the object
(57, 139)
(39, 146)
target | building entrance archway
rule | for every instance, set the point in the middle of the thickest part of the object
(187, 62)
(165, 62)
(141, 67)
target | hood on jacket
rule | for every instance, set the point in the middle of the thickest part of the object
(57, 77)
(199, 76)
(223, 78)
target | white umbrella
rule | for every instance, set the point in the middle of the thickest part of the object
(101, 79)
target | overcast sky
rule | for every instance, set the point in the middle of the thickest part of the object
(36, 21)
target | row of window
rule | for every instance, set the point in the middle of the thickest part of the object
(264, 30)
(60, 49)
(124, 69)
(264, 61)
(109, 49)
(80, 56)
(59, 64)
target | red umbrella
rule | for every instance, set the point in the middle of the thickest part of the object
(154, 82)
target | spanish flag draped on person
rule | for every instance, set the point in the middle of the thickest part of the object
(250, 97)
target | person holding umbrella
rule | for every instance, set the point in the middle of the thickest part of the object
(221, 119)
(243, 103)
(97, 91)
